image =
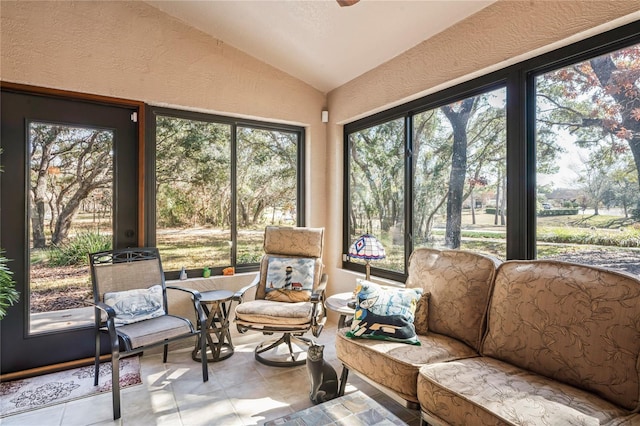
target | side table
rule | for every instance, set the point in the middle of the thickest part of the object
(216, 305)
(338, 303)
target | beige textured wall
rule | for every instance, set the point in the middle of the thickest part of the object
(131, 50)
(507, 31)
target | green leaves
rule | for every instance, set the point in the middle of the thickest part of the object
(8, 294)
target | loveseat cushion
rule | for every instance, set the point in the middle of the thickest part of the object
(460, 284)
(395, 365)
(574, 323)
(485, 391)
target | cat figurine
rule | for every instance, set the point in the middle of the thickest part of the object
(323, 378)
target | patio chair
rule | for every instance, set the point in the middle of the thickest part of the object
(289, 298)
(130, 298)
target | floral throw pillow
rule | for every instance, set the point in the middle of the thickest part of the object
(385, 313)
(289, 279)
(136, 305)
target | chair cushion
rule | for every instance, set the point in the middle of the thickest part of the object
(385, 313)
(395, 365)
(136, 305)
(289, 279)
(291, 241)
(486, 391)
(147, 332)
(274, 313)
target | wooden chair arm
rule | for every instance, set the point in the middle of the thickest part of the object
(318, 294)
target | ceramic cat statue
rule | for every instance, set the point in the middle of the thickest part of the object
(323, 377)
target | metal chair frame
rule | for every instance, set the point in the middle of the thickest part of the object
(294, 332)
(121, 346)
(289, 333)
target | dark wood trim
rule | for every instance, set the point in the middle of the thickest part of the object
(142, 234)
(47, 91)
(109, 100)
(53, 368)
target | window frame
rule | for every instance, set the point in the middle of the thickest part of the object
(519, 81)
(150, 175)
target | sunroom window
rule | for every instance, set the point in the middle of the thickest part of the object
(218, 183)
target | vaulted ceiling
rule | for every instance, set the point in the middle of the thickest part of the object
(318, 41)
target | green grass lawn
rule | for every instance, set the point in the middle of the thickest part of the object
(195, 248)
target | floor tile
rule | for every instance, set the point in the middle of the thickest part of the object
(240, 391)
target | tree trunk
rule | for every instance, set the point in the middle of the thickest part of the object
(498, 186)
(458, 120)
(473, 208)
(503, 201)
(614, 79)
(37, 223)
(39, 190)
(63, 223)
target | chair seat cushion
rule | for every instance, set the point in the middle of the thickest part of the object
(395, 365)
(487, 390)
(271, 312)
(148, 332)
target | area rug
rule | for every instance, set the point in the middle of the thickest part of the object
(18, 396)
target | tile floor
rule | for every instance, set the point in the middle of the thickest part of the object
(240, 391)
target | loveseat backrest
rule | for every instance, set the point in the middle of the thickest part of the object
(574, 323)
(460, 284)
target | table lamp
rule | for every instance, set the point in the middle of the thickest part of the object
(367, 247)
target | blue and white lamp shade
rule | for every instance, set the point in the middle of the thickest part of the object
(367, 247)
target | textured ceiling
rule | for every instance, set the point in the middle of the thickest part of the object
(318, 41)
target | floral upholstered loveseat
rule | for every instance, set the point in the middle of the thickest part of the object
(555, 343)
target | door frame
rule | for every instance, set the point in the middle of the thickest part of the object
(139, 109)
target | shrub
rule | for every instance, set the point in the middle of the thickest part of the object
(628, 238)
(490, 210)
(76, 250)
(557, 212)
(635, 213)
(249, 257)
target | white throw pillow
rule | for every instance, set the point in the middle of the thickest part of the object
(136, 305)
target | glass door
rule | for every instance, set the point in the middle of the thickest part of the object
(68, 188)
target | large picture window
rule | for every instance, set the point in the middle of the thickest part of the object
(588, 159)
(459, 164)
(537, 160)
(218, 183)
(377, 188)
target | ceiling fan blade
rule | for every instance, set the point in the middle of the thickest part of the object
(344, 3)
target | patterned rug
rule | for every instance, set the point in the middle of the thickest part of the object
(18, 396)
